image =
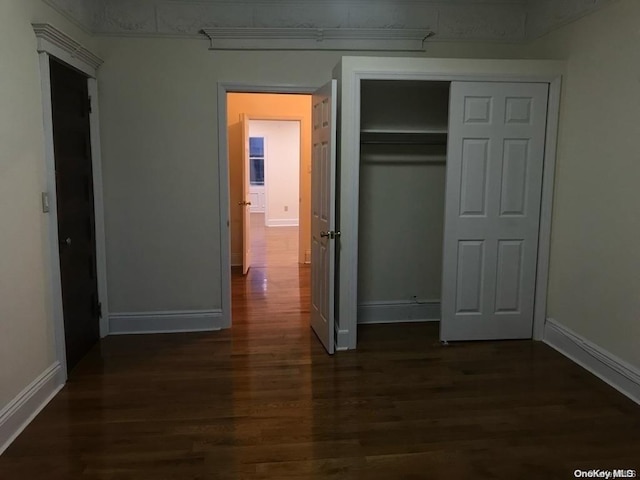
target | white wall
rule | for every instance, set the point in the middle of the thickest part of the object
(26, 333)
(594, 286)
(159, 141)
(282, 170)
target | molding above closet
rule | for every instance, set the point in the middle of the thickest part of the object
(376, 39)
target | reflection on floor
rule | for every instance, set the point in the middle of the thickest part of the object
(276, 288)
(272, 246)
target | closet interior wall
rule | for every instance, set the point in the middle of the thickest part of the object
(401, 207)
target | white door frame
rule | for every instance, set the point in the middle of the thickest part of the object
(433, 70)
(223, 178)
(53, 43)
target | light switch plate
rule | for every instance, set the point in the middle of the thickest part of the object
(45, 202)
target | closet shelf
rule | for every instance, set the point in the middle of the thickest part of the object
(433, 136)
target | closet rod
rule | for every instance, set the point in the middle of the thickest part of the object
(438, 161)
(401, 142)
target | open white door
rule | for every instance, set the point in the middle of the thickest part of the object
(245, 203)
(323, 234)
(492, 213)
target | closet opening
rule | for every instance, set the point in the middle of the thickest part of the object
(403, 154)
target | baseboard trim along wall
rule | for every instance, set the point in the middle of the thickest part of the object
(236, 259)
(282, 222)
(27, 404)
(604, 365)
(165, 322)
(398, 312)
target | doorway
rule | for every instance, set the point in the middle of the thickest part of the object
(482, 152)
(75, 210)
(470, 266)
(268, 136)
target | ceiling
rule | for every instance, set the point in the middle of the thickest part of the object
(450, 20)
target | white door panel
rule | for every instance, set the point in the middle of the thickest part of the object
(494, 181)
(469, 287)
(508, 278)
(323, 247)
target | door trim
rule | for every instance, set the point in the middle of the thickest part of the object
(434, 70)
(52, 43)
(546, 209)
(223, 179)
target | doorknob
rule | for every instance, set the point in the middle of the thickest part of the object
(66, 241)
(244, 204)
(330, 234)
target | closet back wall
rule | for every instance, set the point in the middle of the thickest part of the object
(402, 191)
(401, 227)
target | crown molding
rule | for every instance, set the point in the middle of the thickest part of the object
(455, 20)
(51, 39)
(545, 16)
(378, 39)
(79, 13)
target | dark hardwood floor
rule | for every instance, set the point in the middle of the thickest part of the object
(264, 401)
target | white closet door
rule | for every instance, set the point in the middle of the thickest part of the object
(492, 212)
(323, 237)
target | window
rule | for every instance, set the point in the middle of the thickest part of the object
(256, 160)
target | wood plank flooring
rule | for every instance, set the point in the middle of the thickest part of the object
(264, 401)
(272, 246)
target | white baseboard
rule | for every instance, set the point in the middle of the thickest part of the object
(236, 259)
(165, 322)
(398, 312)
(604, 365)
(28, 403)
(282, 222)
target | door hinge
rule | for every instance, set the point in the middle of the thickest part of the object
(99, 309)
(90, 107)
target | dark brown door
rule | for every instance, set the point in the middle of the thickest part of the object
(76, 223)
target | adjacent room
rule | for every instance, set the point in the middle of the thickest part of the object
(269, 182)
